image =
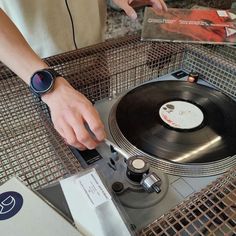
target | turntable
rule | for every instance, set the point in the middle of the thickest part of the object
(180, 128)
(183, 128)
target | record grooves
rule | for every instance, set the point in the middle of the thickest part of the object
(178, 121)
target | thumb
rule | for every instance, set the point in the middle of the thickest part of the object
(130, 12)
(128, 9)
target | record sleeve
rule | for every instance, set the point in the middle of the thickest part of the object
(23, 212)
(190, 25)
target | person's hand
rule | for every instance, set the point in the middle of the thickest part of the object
(129, 10)
(72, 113)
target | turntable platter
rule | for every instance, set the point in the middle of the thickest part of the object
(178, 121)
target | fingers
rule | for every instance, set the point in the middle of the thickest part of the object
(124, 4)
(83, 129)
(82, 134)
(74, 116)
(95, 124)
(68, 134)
(159, 5)
(130, 12)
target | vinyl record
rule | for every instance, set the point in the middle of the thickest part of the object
(179, 121)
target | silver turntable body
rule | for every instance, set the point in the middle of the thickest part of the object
(141, 207)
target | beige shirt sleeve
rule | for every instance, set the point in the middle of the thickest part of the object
(47, 27)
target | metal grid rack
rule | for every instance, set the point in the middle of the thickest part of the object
(227, 51)
(32, 149)
(209, 212)
(217, 70)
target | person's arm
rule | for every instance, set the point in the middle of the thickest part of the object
(126, 5)
(70, 110)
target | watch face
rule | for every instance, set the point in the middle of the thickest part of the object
(41, 82)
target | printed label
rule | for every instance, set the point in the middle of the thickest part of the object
(10, 204)
(222, 13)
(181, 115)
(94, 189)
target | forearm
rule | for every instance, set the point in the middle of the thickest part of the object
(15, 51)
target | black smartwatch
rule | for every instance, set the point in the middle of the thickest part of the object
(42, 81)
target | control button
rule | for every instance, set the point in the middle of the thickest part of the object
(117, 187)
(151, 183)
(193, 77)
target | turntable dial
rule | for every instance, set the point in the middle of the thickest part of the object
(136, 167)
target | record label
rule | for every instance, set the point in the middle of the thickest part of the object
(138, 164)
(181, 115)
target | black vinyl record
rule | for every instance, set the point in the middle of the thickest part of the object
(179, 121)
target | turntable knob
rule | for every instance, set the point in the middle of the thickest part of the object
(137, 166)
(151, 183)
(193, 77)
(117, 187)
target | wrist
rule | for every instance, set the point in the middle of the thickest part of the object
(59, 84)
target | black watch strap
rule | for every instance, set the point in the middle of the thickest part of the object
(53, 72)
